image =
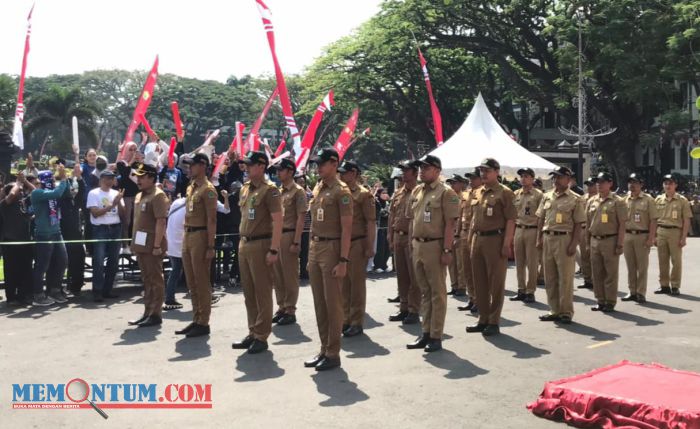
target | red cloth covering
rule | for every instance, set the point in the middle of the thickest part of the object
(624, 395)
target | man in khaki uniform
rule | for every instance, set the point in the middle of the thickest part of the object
(585, 262)
(527, 200)
(560, 214)
(674, 222)
(286, 270)
(465, 221)
(258, 251)
(364, 231)
(198, 244)
(457, 285)
(606, 215)
(433, 210)
(409, 292)
(640, 234)
(492, 230)
(331, 229)
(148, 244)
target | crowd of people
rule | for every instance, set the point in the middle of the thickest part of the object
(271, 234)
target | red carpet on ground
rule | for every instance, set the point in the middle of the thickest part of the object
(624, 395)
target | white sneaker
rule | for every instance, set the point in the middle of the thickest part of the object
(42, 301)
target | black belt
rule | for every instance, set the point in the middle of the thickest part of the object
(358, 238)
(637, 231)
(426, 240)
(669, 227)
(400, 232)
(603, 237)
(288, 230)
(317, 238)
(195, 228)
(255, 238)
(526, 226)
(556, 232)
(487, 233)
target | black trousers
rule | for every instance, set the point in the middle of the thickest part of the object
(304, 256)
(383, 251)
(17, 263)
(76, 266)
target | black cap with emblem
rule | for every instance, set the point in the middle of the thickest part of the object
(603, 176)
(324, 155)
(349, 166)
(562, 171)
(490, 163)
(635, 177)
(459, 178)
(670, 177)
(529, 171)
(145, 170)
(407, 165)
(431, 160)
(256, 157)
(198, 158)
(590, 181)
(473, 174)
(286, 164)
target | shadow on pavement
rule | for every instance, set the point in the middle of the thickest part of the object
(456, 367)
(669, 308)
(521, 349)
(289, 334)
(507, 323)
(135, 335)
(257, 367)
(180, 315)
(588, 331)
(629, 317)
(339, 389)
(371, 323)
(363, 346)
(688, 297)
(586, 301)
(192, 349)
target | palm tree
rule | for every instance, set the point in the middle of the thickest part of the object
(52, 113)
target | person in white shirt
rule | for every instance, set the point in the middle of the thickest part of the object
(106, 210)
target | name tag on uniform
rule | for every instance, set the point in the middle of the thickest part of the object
(604, 218)
(140, 238)
(637, 218)
(558, 218)
(674, 214)
(427, 217)
(143, 207)
(489, 211)
(251, 214)
(319, 215)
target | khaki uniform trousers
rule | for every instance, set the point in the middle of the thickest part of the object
(559, 274)
(430, 276)
(605, 265)
(489, 269)
(669, 251)
(526, 259)
(355, 285)
(409, 292)
(256, 280)
(586, 269)
(328, 301)
(462, 247)
(637, 258)
(286, 272)
(197, 274)
(153, 285)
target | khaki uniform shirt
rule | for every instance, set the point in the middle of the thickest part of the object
(148, 208)
(526, 204)
(604, 215)
(561, 211)
(492, 208)
(258, 201)
(293, 205)
(331, 200)
(397, 207)
(466, 210)
(199, 198)
(431, 206)
(363, 210)
(673, 211)
(640, 212)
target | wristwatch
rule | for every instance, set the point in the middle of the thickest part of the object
(344, 260)
(273, 251)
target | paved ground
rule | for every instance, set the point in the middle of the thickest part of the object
(472, 383)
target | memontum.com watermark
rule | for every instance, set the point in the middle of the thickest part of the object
(79, 394)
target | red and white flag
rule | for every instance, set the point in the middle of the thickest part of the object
(17, 135)
(266, 15)
(251, 143)
(176, 119)
(142, 105)
(308, 142)
(343, 143)
(437, 119)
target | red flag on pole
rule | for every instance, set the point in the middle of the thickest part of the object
(307, 142)
(17, 135)
(176, 119)
(280, 148)
(343, 143)
(171, 153)
(251, 143)
(142, 104)
(437, 119)
(146, 125)
(266, 15)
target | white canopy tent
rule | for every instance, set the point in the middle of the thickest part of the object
(482, 137)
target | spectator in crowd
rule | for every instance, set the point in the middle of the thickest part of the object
(106, 213)
(381, 198)
(70, 204)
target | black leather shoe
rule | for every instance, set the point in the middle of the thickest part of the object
(328, 363)
(519, 297)
(398, 317)
(137, 321)
(313, 361)
(474, 309)
(641, 299)
(411, 319)
(397, 299)
(257, 346)
(479, 327)
(467, 307)
(452, 291)
(629, 297)
(549, 318)
(420, 342)
(185, 330)
(97, 299)
(598, 307)
(287, 319)
(675, 291)
(608, 308)
(491, 330)
(151, 321)
(663, 290)
(244, 343)
(278, 315)
(565, 320)
(460, 292)
(345, 327)
(198, 331)
(433, 345)
(110, 296)
(353, 331)
(529, 298)
(586, 285)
